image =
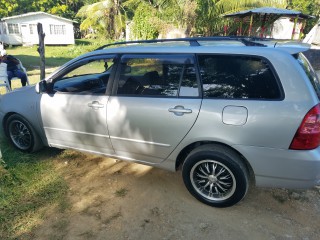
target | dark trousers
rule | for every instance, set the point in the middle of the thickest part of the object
(19, 74)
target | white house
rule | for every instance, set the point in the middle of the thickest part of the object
(22, 29)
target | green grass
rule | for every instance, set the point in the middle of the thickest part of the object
(55, 55)
(30, 184)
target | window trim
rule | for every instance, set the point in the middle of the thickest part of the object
(58, 29)
(13, 28)
(4, 29)
(32, 27)
(273, 71)
(78, 63)
(153, 55)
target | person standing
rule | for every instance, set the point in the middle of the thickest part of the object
(13, 69)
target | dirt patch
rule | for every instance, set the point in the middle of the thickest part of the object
(110, 199)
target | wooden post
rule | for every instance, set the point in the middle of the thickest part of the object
(240, 28)
(303, 25)
(263, 26)
(225, 29)
(294, 27)
(250, 26)
(41, 51)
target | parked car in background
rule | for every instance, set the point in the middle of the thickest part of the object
(229, 112)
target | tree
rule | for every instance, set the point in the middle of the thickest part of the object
(307, 7)
(151, 17)
(103, 17)
(160, 16)
(63, 8)
(145, 22)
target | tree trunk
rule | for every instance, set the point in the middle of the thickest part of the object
(41, 51)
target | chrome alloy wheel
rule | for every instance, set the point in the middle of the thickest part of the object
(20, 134)
(213, 180)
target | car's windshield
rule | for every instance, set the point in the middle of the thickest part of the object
(310, 72)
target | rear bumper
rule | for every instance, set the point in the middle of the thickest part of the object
(283, 168)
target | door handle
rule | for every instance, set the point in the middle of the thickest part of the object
(179, 110)
(95, 105)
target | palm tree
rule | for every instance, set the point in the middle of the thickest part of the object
(103, 17)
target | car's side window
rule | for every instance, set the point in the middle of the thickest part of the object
(157, 75)
(237, 77)
(90, 76)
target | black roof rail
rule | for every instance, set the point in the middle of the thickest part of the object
(194, 41)
(249, 42)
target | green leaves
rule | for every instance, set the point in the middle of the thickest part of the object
(151, 17)
(102, 18)
(145, 22)
(66, 8)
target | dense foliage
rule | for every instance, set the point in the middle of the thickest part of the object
(151, 17)
(63, 8)
(145, 22)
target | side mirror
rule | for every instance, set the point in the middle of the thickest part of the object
(41, 87)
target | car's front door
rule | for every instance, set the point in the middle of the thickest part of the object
(155, 103)
(74, 112)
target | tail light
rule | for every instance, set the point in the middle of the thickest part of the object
(307, 136)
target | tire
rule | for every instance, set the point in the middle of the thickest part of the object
(22, 135)
(215, 175)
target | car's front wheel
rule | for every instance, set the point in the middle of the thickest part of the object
(21, 134)
(215, 175)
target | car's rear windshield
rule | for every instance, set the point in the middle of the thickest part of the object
(310, 72)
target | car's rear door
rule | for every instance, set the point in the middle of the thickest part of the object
(155, 102)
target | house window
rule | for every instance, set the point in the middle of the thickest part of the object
(57, 29)
(13, 28)
(4, 29)
(33, 28)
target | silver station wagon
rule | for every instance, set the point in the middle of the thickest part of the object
(227, 111)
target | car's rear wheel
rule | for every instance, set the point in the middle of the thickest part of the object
(21, 134)
(215, 175)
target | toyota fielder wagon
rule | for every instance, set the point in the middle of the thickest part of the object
(228, 112)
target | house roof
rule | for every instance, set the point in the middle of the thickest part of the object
(269, 10)
(36, 13)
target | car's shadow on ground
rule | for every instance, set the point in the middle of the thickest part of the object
(123, 200)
